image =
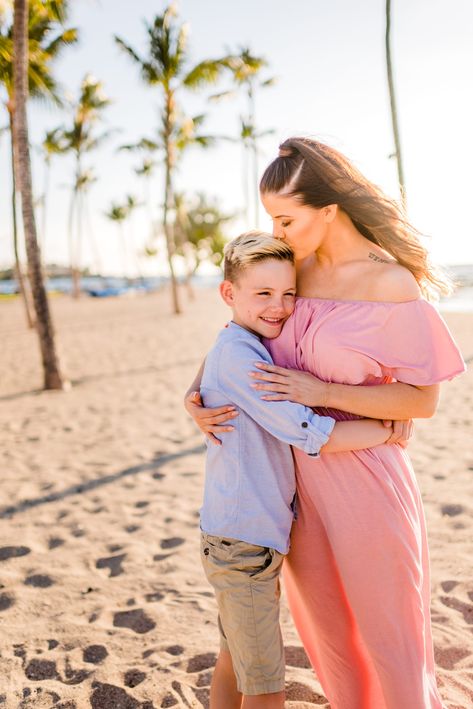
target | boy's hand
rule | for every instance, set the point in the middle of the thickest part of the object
(209, 420)
(402, 431)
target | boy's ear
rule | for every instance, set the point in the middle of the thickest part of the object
(226, 291)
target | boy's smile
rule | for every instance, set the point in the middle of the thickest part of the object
(262, 297)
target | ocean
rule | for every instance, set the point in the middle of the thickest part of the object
(460, 301)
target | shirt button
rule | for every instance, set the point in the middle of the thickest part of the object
(304, 424)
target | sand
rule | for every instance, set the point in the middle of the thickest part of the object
(103, 602)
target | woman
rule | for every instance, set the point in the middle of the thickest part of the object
(357, 575)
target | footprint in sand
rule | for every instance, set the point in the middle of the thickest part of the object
(204, 679)
(153, 597)
(7, 600)
(204, 661)
(158, 476)
(296, 657)
(55, 542)
(113, 563)
(73, 676)
(452, 510)
(95, 654)
(41, 669)
(464, 608)
(161, 557)
(134, 677)
(136, 620)
(169, 701)
(448, 586)
(142, 503)
(107, 696)
(130, 528)
(447, 657)
(39, 581)
(175, 650)
(12, 552)
(172, 542)
(296, 691)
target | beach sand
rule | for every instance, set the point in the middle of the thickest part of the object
(103, 602)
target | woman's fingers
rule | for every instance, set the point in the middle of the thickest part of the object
(272, 368)
(274, 397)
(280, 388)
(268, 376)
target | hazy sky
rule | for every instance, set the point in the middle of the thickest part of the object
(329, 61)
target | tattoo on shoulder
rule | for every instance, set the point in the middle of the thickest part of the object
(377, 258)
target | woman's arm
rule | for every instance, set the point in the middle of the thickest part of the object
(395, 401)
(355, 435)
(208, 420)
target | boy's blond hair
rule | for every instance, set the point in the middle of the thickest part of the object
(253, 247)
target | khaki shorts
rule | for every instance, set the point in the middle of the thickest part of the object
(245, 578)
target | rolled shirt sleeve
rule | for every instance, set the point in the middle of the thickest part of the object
(291, 423)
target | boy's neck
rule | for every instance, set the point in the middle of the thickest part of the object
(248, 329)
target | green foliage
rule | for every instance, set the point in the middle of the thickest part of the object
(46, 40)
(200, 223)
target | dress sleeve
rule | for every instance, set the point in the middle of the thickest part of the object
(417, 345)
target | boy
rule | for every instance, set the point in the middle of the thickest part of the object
(247, 511)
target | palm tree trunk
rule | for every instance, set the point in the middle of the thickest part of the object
(167, 228)
(392, 98)
(44, 325)
(24, 294)
(254, 152)
(75, 286)
(47, 173)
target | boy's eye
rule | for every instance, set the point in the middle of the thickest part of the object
(264, 292)
(285, 224)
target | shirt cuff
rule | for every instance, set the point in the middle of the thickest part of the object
(319, 430)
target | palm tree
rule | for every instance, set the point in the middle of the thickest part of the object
(166, 67)
(53, 144)
(200, 232)
(117, 213)
(22, 167)
(46, 39)
(392, 99)
(80, 139)
(120, 213)
(246, 69)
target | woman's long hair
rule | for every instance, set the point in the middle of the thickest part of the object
(319, 175)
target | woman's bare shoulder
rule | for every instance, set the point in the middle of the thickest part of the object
(393, 283)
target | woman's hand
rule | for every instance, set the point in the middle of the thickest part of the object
(209, 420)
(290, 385)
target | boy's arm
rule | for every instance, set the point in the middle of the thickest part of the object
(355, 435)
(291, 423)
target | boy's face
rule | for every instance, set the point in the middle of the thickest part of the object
(263, 296)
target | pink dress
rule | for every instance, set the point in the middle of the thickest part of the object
(357, 575)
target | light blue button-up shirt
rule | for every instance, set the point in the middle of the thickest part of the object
(250, 481)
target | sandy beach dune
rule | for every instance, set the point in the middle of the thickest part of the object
(103, 603)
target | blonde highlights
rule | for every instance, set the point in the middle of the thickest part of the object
(319, 175)
(250, 248)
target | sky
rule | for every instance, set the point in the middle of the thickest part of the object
(328, 61)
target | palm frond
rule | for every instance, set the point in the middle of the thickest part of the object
(206, 72)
